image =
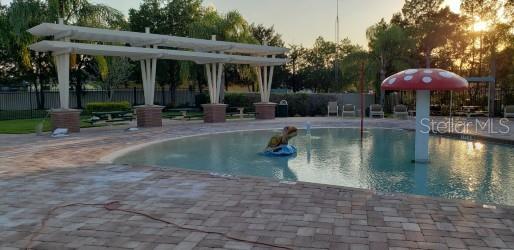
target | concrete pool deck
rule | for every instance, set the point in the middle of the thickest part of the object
(39, 173)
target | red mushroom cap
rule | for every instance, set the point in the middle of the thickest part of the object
(425, 79)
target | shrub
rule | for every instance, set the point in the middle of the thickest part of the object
(509, 99)
(107, 107)
(200, 99)
(241, 100)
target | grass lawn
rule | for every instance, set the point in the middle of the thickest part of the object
(175, 115)
(22, 114)
(27, 126)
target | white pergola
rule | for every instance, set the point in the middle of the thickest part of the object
(148, 48)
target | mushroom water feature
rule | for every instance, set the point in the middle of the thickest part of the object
(423, 81)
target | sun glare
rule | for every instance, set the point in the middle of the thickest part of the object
(453, 4)
(480, 26)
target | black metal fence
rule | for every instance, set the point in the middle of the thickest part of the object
(24, 104)
(476, 95)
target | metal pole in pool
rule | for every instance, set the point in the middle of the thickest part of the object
(362, 99)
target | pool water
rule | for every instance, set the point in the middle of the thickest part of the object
(383, 161)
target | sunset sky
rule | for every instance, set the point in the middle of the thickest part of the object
(302, 21)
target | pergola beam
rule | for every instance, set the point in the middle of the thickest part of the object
(142, 39)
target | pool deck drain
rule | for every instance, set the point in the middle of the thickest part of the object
(39, 173)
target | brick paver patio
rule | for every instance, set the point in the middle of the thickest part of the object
(38, 173)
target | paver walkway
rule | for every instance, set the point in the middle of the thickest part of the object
(38, 173)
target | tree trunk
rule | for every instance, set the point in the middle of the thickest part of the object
(40, 97)
(492, 85)
(111, 94)
(427, 58)
(383, 67)
(173, 94)
(163, 97)
(78, 91)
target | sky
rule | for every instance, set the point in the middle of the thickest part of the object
(302, 21)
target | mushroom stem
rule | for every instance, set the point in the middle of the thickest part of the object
(422, 126)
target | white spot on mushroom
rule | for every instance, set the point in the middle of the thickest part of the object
(407, 78)
(427, 79)
(428, 71)
(446, 74)
(391, 80)
(411, 71)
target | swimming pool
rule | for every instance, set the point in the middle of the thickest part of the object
(458, 170)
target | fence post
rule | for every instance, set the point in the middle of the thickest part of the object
(30, 102)
(134, 102)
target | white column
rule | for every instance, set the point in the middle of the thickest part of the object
(62, 62)
(218, 82)
(422, 120)
(421, 179)
(210, 82)
(258, 70)
(270, 79)
(148, 71)
(214, 72)
(265, 80)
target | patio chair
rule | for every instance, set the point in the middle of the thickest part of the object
(332, 108)
(348, 109)
(508, 111)
(376, 110)
(400, 111)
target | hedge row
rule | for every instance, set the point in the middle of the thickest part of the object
(107, 107)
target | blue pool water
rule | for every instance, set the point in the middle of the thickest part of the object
(458, 170)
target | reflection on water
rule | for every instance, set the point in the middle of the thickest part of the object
(382, 161)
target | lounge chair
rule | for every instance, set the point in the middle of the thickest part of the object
(332, 108)
(508, 111)
(348, 109)
(376, 110)
(400, 111)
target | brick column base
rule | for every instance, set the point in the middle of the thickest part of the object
(149, 116)
(65, 118)
(214, 113)
(265, 111)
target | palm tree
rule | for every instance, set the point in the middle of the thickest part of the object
(84, 13)
(229, 27)
(389, 45)
(32, 67)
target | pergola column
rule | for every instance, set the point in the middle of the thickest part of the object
(148, 72)
(265, 109)
(64, 117)
(62, 63)
(215, 111)
(149, 115)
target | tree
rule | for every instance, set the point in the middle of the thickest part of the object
(296, 62)
(263, 34)
(173, 18)
(84, 13)
(228, 27)
(390, 48)
(118, 72)
(429, 25)
(21, 63)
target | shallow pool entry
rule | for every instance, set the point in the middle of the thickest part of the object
(382, 161)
